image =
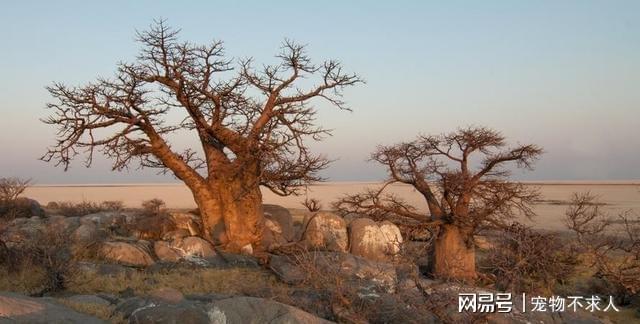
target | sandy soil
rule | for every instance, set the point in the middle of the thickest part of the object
(619, 196)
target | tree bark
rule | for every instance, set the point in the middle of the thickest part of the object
(453, 257)
(231, 214)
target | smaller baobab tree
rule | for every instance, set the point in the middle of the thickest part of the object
(464, 181)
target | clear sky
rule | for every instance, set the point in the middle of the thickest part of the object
(562, 74)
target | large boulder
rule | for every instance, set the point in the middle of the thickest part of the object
(280, 217)
(186, 221)
(170, 314)
(272, 235)
(193, 246)
(212, 309)
(240, 310)
(107, 221)
(374, 241)
(86, 233)
(125, 253)
(325, 231)
(21, 309)
(23, 230)
(62, 224)
(166, 295)
(164, 252)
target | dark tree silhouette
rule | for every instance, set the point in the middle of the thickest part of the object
(462, 196)
(252, 124)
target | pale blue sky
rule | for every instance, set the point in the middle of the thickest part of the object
(563, 74)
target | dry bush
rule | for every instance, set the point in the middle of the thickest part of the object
(112, 205)
(40, 266)
(313, 205)
(523, 260)
(612, 242)
(78, 209)
(83, 208)
(152, 222)
(153, 207)
(11, 206)
(351, 297)
(11, 188)
(188, 280)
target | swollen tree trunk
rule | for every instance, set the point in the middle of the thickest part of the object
(453, 257)
(231, 214)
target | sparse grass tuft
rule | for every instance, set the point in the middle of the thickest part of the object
(188, 281)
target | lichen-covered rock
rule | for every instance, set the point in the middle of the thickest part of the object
(21, 309)
(164, 252)
(130, 254)
(240, 310)
(62, 224)
(167, 295)
(325, 231)
(280, 217)
(86, 233)
(374, 241)
(193, 246)
(272, 235)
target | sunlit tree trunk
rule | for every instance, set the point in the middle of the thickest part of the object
(453, 257)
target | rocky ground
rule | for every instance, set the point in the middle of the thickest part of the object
(123, 266)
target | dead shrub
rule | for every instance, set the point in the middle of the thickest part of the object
(38, 267)
(153, 207)
(153, 221)
(83, 208)
(313, 205)
(11, 188)
(523, 260)
(613, 244)
(11, 205)
(112, 205)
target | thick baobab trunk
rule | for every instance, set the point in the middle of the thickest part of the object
(453, 257)
(231, 214)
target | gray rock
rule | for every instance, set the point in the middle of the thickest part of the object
(166, 295)
(193, 246)
(130, 254)
(21, 309)
(170, 314)
(241, 310)
(86, 233)
(281, 217)
(374, 241)
(62, 224)
(325, 231)
(272, 235)
(287, 270)
(164, 252)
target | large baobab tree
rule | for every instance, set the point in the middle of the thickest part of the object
(463, 179)
(252, 124)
